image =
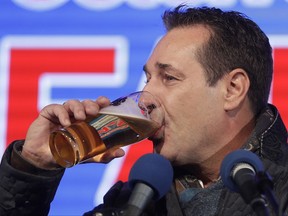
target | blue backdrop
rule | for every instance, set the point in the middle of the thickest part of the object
(139, 23)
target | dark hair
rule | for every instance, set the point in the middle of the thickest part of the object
(235, 42)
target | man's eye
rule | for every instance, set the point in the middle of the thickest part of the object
(169, 77)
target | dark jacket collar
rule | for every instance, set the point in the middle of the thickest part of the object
(269, 138)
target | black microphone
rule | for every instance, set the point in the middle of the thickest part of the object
(150, 179)
(243, 172)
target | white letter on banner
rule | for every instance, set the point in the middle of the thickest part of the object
(99, 4)
(143, 4)
(40, 5)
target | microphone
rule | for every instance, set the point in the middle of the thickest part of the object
(150, 178)
(243, 172)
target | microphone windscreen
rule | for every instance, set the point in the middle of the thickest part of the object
(153, 170)
(234, 158)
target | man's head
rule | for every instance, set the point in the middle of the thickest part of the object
(235, 42)
(206, 70)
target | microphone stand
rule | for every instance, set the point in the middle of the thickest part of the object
(259, 205)
(265, 185)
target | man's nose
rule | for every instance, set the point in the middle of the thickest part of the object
(153, 88)
(151, 107)
(148, 101)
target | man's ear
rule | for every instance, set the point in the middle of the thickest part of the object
(236, 88)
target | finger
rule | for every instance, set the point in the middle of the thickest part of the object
(56, 113)
(103, 101)
(112, 154)
(91, 107)
(76, 109)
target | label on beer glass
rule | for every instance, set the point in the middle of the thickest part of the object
(123, 123)
(123, 130)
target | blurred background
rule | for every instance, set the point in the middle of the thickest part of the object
(54, 50)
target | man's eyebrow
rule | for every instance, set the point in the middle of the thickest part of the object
(163, 66)
(168, 67)
(160, 66)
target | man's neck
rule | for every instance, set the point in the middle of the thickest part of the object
(208, 171)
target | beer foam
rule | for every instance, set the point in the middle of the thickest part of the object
(128, 107)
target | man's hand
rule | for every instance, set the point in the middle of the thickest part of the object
(55, 116)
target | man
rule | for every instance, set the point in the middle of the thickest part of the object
(212, 72)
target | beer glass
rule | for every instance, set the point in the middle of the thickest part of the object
(125, 121)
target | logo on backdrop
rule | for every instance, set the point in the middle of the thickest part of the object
(279, 90)
(40, 5)
(138, 4)
(32, 66)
